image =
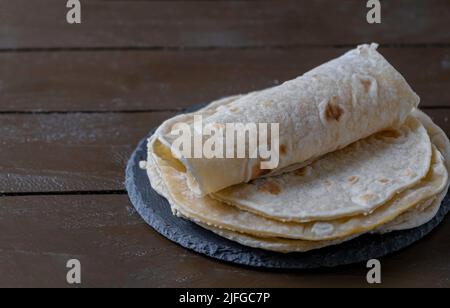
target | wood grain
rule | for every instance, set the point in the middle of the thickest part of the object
(107, 24)
(69, 152)
(80, 152)
(129, 58)
(161, 80)
(117, 249)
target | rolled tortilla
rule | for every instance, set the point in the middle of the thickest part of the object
(326, 109)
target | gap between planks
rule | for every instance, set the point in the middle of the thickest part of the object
(43, 112)
(206, 48)
(12, 112)
(64, 193)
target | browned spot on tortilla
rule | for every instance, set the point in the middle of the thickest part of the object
(283, 149)
(390, 133)
(268, 104)
(270, 187)
(384, 180)
(408, 172)
(301, 171)
(218, 126)
(333, 111)
(368, 197)
(258, 172)
(328, 183)
(366, 83)
(316, 77)
(234, 109)
(353, 179)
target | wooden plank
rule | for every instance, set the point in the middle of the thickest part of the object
(143, 80)
(76, 152)
(105, 24)
(116, 249)
(80, 152)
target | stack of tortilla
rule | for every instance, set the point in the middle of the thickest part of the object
(356, 156)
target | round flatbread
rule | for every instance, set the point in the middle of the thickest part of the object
(213, 212)
(259, 232)
(351, 181)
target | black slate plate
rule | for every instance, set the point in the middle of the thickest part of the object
(155, 210)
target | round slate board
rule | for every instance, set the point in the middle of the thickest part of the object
(155, 210)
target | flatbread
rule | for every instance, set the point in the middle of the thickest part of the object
(351, 181)
(425, 212)
(411, 219)
(273, 244)
(413, 216)
(215, 213)
(327, 108)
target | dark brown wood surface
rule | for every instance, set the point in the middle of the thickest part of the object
(76, 99)
(205, 24)
(117, 249)
(166, 80)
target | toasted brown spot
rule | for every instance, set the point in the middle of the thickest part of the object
(333, 111)
(234, 109)
(258, 172)
(283, 149)
(353, 179)
(268, 104)
(408, 172)
(270, 187)
(390, 133)
(384, 180)
(218, 125)
(366, 83)
(368, 197)
(301, 171)
(328, 183)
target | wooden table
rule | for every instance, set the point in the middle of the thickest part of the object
(76, 99)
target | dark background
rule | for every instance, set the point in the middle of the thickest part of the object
(76, 99)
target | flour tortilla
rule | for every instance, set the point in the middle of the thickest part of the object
(327, 108)
(274, 244)
(415, 213)
(411, 219)
(415, 217)
(212, 212)
(422, 214)
(348, 182)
